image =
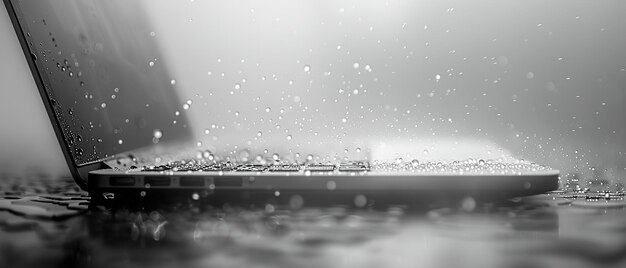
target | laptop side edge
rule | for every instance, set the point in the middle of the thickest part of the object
(79, 172)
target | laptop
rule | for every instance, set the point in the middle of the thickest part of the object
(115, 109)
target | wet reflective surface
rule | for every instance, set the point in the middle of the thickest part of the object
(554, 230)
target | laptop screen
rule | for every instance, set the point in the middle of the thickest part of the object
(93, 59)
(336, 80)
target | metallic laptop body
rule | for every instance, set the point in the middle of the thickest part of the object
(89, 65)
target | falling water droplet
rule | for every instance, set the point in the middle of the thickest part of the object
(157, 133)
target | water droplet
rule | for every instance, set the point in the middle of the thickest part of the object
(307, 173)
(237, 86)
(268, 109)
(437, 77)
(120, 141)
(355, 92)
(207, 131)
(259, 134)
(360, 201)
(468, 204)
(186, 106)
(289, 137)
(425, 152)
(399, 160)
(103, 105)
(331, 185)
(151, 63)
(307, 68)
(358, 150)
(157, 133)
(415, 163)
(309, 157)
(530, 75)
(344, 120)
(173, 82)
(355, 65)
(275, 156)
(481, 162)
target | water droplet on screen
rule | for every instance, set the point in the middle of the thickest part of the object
(207, 131)
(199, 144)
(259, 134)
(355, 92)
(103, 105)
(116, 90)
(307, 173)
(173, 82)
(368, 68)
(344, 120)
(530, 75)
(268, 109)
(186, 106)
(481, 162)
(151, 63)
(237, 86)
(120, 141)
(399, 160)
(355, 65)
(307, 68)
(358, 150)
(338, 47)
(425, 152)
(309, 157)
(153, 34)
(437, 77)
(275, 156)
(289, 137)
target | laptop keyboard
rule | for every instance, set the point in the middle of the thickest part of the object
(194, 166)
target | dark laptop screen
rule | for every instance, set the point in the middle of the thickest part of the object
(94, 57)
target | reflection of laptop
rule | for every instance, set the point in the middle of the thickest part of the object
(89, 63)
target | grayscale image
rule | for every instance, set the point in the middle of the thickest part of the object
(482, 133)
